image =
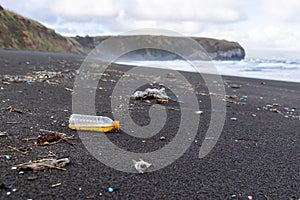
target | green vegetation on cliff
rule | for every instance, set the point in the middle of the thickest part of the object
(17, 32)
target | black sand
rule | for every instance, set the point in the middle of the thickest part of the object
(255, 156)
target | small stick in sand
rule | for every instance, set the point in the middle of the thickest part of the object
(18, 150)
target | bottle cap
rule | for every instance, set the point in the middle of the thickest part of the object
(116, 125)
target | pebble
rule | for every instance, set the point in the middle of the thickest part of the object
(233, 118)
(162, 138)
(199, 112)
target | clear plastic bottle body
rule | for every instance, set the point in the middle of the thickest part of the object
(92, 123)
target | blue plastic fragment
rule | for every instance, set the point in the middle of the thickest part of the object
(110, 190)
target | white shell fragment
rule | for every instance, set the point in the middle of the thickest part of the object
(141, 165)
(199, 112)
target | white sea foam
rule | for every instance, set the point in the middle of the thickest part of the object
(283, 70)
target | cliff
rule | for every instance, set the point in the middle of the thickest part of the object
(216, 49)
(20, 33)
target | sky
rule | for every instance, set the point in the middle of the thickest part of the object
(265, 28)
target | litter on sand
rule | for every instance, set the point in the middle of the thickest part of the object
(52, 138)
(110, 190)
(199, 112)
(44, 163)
(141, 165)
(17, 110)
(55, 185)
(151, 94)
(3, 133)
(35, 76)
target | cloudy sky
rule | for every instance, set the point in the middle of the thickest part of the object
(269, 28)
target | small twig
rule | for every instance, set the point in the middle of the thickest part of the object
(48, 131)
(18, 150)
(27, 139)
(15, 123)
(38, 165)
(61, 136)
(52, 166)
(47, 143)
(48, 156)
(55, 185)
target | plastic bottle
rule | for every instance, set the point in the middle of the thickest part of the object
(92, 123)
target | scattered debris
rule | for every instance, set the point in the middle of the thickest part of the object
(272, 108)
(233, 195)
(162, 138)
(162, 101)
(52, 138)
(3, 134)
(235, 99)
(35, 76)
(110, 190)
(22, 150)
(199, 112)
(285, 111)
(44, 163)
(28, 139)
(141, 165)
(17, 110)
(50, 154)
(5, 186)
(55, 185)
(14, 122)
(5, 83)
(152, 94)
(69, 89)
(233, 119)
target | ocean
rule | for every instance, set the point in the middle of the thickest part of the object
(281, 70)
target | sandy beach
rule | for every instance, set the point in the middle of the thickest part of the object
(256, 155)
